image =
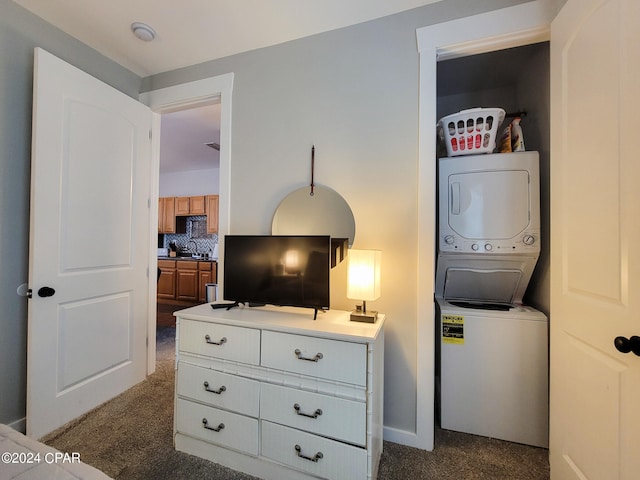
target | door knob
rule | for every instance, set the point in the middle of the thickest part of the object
(626, 345)
(46, 292)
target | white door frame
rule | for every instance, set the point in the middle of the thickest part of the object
(509, 27)
(170, 99)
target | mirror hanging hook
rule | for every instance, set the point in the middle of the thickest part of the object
(313, 159)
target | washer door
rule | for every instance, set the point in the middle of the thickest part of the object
(477, 305)
(486, 285)
(498, 278)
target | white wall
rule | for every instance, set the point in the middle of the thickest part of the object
(189, 183)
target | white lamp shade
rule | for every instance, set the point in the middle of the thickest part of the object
(363, 274)
(291, 261)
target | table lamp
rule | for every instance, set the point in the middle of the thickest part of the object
(363, 282)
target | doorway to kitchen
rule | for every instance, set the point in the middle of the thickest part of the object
(188, 191)
(184, 96)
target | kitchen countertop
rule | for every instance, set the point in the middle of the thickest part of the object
(189, 259)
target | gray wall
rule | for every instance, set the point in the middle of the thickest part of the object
(354, 94)
(534, 91)
(20, 32)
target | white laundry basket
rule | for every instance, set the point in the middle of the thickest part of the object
(472, 131)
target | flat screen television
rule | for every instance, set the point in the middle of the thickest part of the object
(283, 270)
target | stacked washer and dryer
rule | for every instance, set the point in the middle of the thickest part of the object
(493, 350)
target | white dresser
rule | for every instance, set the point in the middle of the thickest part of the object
(273, 393)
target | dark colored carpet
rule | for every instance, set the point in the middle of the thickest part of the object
(130, 438)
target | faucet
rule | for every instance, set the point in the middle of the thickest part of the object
(195, 246)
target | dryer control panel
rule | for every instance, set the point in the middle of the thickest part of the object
(529, 242)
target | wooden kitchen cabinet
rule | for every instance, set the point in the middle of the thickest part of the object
(172, 210)
(187, 280)
(182, 205)
(167, 280)
(197, 205)
(190, 205)
(166, 215)
(212, 206)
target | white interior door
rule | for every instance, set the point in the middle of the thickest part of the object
(89, 243)
(595, 259)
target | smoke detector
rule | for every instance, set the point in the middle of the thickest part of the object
(143, 31)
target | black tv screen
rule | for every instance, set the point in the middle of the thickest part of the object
(282, 270)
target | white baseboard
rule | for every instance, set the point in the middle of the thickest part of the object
(402, 437)
(19, 425)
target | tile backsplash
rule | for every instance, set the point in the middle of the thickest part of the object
(196, 231)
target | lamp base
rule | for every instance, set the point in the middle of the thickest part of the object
(366, 317)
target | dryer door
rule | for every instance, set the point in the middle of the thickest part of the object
(489, 205)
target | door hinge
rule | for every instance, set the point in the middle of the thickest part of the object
(24, 290)
(150, 134)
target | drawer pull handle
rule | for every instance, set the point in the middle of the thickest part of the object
(217, 392)
(315, 414)
(211, 342)
(300, 357)
(315, 458)
(215, 429)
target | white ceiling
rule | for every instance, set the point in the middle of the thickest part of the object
(195, 31)
(183, 137)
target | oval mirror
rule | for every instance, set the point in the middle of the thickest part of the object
(324, 213)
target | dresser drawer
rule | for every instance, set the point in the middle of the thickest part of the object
(317, 357)
(324, 458)
(227, 342)
(219, 389)
(233, 430)
(322, 414)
